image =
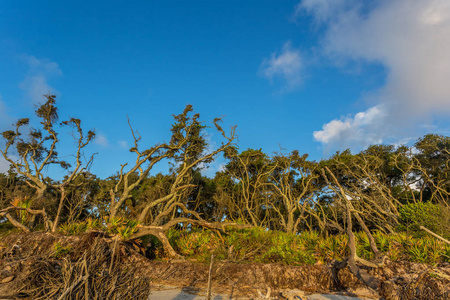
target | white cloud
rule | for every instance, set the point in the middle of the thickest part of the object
(101, 139)
(362, 130)
(35, 83)
(287, 65)
(411, 39)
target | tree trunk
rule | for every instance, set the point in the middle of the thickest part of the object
(60, 207)
(290, 223)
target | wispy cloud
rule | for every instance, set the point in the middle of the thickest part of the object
(101, 139)
(36, 81)
(411, 39)
(322, 10)
(287, 66)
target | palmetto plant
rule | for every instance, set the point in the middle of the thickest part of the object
(73, 228)
(310, 239)
(435, 249)
(111, 224)
(334, 247)
(92, 223)
(24, 202)
(418, 252)
(382, 240)
(125, 231)
(446, 253)
(363, 247)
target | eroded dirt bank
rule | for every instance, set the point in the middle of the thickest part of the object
(94, 265)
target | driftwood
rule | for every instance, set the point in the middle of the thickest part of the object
(208, 291)
(435, 235)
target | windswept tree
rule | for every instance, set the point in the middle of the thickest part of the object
(369, 179)
(295, 183)
(247, 190)
(192, 152)
(30, 154)
(188, 151)
(432, 168)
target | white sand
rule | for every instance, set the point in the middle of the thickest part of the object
(178, 294)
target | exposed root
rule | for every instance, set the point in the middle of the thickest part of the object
(89, 275)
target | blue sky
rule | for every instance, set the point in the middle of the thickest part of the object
(314, 75)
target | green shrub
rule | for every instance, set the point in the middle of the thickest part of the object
(263, 246)
(427, 214)
(125, 228)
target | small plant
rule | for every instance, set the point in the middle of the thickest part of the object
(61, 251)
(92, 223)
(363, 247)
(418, 253)
(382, 240)
(73, 228)
(127, 228)
(334, 247)
(446, 253)
(310, 239)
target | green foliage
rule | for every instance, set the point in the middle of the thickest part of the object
(414, 215)
(125, 228)
(249, 245)
(333, 247)
(446, 253)
(426, 250)
(118, 225)
(264, 246)
(73, 228)
(363, 248)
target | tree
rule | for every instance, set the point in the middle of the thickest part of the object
(432, 166)
(366, 182)
(353, 258)
(191, 152)
(294, 182)
(187, 150)
(248, 185)
(37, 150)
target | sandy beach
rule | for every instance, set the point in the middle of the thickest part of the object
(171, 293)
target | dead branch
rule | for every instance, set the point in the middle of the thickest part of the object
(435, 235)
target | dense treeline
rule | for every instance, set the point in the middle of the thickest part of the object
(383, 188)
